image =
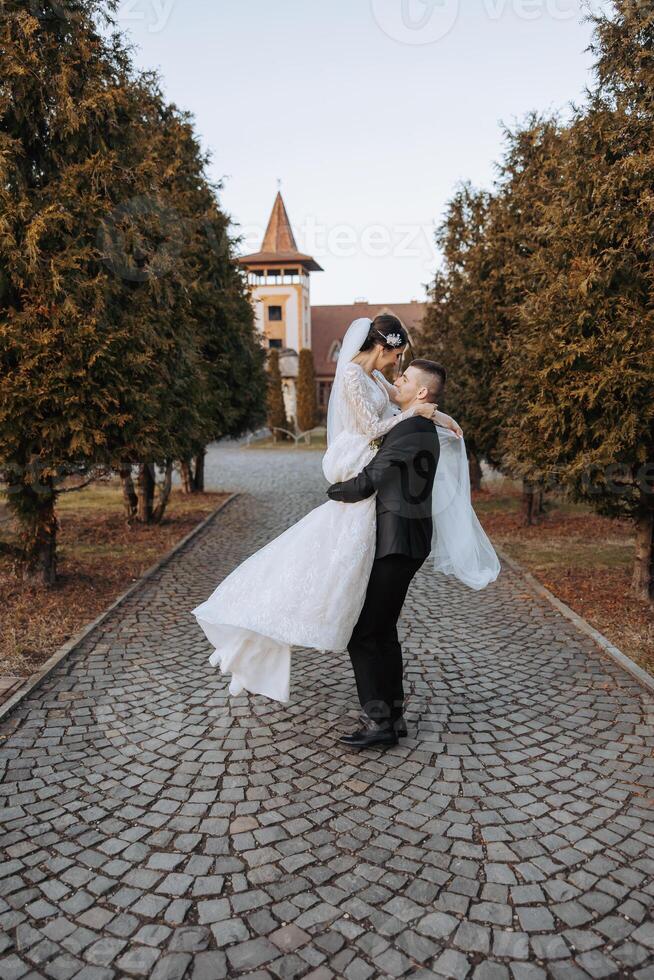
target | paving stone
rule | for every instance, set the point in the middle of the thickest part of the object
(229, 931)
(213, 911)
(596, 964)
(172, 966)
(644, 935)
(472, 938)
(63, 967)
(538, 919)
(417, 947)
(209, 966)
(491, 971)
(451, 964)
(192, 939)
(152, 935)
(104, 951)
(291, 937)
(250, 954)
(139, 960)
(512, 945)
(527, 971)
(492, 912)
(11, 967)
(549, 947)
(438, 925)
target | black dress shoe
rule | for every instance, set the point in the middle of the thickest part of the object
(371, 734)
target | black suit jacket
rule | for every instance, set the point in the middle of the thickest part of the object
(402, 473)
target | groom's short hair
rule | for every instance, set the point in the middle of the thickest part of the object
(434, 376)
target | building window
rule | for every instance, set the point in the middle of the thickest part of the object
(334, 351)
(274, 312)
(274, 343)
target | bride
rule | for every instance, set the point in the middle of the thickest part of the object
(307, 586)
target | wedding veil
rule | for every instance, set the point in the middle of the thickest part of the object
(352, 343)
(460, 546)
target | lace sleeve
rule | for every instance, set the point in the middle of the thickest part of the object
(361, 413)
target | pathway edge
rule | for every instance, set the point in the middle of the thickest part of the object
(77, 638)
(582, 625)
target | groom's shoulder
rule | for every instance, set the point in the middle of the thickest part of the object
(415, 424)
(411, 426)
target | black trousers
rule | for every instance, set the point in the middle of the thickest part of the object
(374, 647)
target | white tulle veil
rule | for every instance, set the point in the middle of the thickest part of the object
(350, 347)
(460, 546)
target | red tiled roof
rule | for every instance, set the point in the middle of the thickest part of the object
(329, 323)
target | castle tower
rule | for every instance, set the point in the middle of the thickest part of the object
(279, 279)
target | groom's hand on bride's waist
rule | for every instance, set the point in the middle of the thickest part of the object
(351, 491)
(334, 491)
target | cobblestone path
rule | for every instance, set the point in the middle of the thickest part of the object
(154, 828)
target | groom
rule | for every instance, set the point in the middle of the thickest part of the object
(402, 473)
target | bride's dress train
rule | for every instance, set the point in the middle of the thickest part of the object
(305, 588)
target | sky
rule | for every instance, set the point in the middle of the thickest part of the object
(368, 111)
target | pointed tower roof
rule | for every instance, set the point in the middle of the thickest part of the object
(279, 234)
(279, 245)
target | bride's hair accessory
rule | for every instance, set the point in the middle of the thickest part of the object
(386, 330)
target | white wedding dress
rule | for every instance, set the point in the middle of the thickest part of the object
(306, 587)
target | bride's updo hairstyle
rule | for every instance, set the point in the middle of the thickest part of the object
(382, 328)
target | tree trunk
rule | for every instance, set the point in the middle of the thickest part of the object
(146, 487)
(529, 503)
(198, 482)
(40, 541)
(187, 475)
(193, 473)
(130, 499)
(164, 493)
(475, 471)
(642, 583)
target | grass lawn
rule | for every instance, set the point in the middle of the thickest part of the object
(99, 558)
(585, 560)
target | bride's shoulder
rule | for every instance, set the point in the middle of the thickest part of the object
(353, 371)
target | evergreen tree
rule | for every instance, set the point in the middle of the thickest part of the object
(70, 128)
(206, 295)
(276, 409)
(471, 323)
(306, 392)
(586, 359)
(106, 291)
